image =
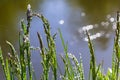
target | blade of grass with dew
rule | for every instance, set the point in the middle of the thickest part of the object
(51, 46)
(92, 61)
(78, 68)
(27, 40)
(99, 72)
(11, 65)
(8, 71)
(45, 70)
(22, 51)
(81, 69)
(66, 75)
(15, 62)
(114, 61)
(3, 63)
(117, 48)
(66, 57)
(51, 51)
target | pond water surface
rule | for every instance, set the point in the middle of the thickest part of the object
(73, 17)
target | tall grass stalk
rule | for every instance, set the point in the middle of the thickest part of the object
(92, 61)
(73, 68)
(116, 59)
(3, 63)
(68, 66)
(49, 56)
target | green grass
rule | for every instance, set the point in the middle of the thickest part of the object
(18, 65)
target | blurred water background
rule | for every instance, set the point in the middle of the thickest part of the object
(73, 17)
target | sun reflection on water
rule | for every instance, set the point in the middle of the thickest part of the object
(61, 22)
(95, 30)
(92, 37)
